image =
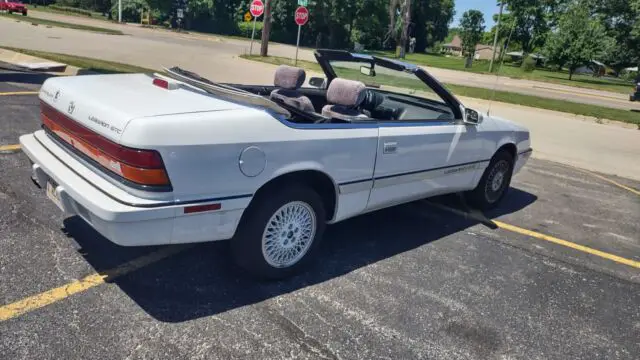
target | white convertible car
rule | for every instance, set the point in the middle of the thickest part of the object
(150, 159)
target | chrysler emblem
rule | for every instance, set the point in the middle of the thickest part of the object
(72, 107)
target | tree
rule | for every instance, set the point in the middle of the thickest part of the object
(621, 19)
(506, 22)
(578, 40)
(266, 29)
(430, 21)
(471, 31)
(532, 22)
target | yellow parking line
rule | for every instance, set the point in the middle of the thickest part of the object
(19, 93)
(630, 189)
(569, 244)
(537, 235)
(49, 297)
(9, 147)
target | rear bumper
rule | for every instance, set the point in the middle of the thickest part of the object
(123, 223)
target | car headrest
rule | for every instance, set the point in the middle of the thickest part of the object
(345, 92)
(289, 77)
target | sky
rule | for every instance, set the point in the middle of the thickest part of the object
(488, 8)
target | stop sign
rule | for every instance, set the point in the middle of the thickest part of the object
(302, 15)
(257, 8)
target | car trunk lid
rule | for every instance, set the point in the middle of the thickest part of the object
(106, 103)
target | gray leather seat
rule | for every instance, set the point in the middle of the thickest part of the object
(289, 79)
(344, 96)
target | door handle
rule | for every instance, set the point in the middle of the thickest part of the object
(390, 147)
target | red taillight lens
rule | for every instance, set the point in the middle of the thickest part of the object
(144, 167)
(161, 83)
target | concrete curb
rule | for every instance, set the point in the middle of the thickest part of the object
(19, 60)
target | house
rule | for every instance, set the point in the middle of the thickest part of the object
(592, 68)
(454, 47)
(483, 52)
(516, 56)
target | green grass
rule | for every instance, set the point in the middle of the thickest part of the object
(544, 75)
(45, 22)
(94, 65)
(94, 14)
(599, 112)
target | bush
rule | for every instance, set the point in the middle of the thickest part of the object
(630, 75)
(71, 10)
(245, 29)
(529, 64)
(130, 10)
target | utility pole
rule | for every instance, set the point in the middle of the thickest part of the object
(495, 38)
(119, 11)
(266, 28)
(405, 28)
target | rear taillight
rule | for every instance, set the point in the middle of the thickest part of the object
(143, 167)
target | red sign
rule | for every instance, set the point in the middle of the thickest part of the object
(302, 15)
(257, 8)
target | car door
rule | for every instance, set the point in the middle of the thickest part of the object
(418, 158)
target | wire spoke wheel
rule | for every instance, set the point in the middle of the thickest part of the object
(289, 234)
(496, 181)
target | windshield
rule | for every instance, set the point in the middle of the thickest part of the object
(400, 82)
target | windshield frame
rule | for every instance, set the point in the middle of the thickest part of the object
(326, 56)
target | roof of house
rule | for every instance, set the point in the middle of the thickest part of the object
(455, 43)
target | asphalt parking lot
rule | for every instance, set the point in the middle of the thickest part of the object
(559, 278)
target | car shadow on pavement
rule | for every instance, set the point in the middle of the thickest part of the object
(24, 77)
(203, 280)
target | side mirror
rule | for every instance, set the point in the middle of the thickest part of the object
(470, 116)
(317, 82)
(365, 70)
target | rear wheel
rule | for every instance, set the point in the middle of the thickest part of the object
(280, 233)
(494, 183)
(24, 13)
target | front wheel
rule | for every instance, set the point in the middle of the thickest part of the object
(494, 183)
(280, 233)
(24, 13)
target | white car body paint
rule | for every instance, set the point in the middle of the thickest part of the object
(201, 139)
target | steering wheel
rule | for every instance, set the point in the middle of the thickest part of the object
(371, 100)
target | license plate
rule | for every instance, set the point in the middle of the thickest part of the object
(53, 195)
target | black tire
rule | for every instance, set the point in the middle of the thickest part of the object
(24, 13)
(247, 247)
(485, 196)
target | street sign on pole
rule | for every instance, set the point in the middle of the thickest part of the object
(256, 9)
(301, 17)
(303, 3)
(247, 17)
